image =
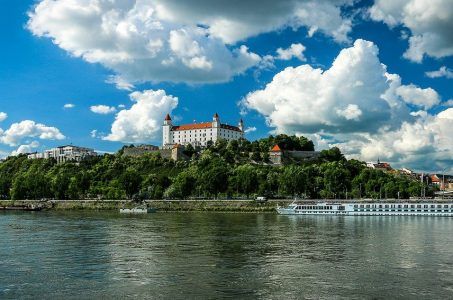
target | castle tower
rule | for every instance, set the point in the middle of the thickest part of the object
(215, 121)
(241, 125)
(166, 131)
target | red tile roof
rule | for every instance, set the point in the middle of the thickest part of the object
(276, 148)
(167, 117)
(192, 126)
(203, 126)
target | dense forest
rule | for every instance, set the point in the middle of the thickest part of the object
(231, 170)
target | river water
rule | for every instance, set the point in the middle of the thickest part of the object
(85, 255)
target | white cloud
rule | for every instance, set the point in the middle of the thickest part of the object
(346, 97)
(430, 23)
(351, 112)
(358, 106)
(143, 121)
(26, 148)
(102, 109)
(424, 145)
(193, 41)
(68, 106)
(295, 50)
(27, 128)
(442, 72)
(120, 83)
(3, 116)
(94, 133)
(250, 129)
(417, 96)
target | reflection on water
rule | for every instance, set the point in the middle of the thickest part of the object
(207, 255)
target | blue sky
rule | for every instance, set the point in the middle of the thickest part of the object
(61, 52)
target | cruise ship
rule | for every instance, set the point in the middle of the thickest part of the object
(370, 209)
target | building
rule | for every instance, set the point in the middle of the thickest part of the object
(275, 155)
(379, 165)
(199, 134)
(65, 153)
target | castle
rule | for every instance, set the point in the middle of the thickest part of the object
(199, 134)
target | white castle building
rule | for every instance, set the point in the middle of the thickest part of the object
(198, 134)
(65, 153)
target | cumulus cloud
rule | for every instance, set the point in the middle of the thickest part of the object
(143, 121)
(26, 148)
(430, 23)
(418, 96)
(357, 105)
(295, 50)
(442, 72)
(346, 97)
(351, 112)
(424, 145)
(3, 116)
(102, 109)
(27, 128)
(193, 41)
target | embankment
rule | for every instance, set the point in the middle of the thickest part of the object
(160, 205)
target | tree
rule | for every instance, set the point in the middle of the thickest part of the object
(212, 179)
(332, 154)
(246, 179)
(256, 156)
(182, 186)
(130, 182)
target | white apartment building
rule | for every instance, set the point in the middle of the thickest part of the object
(198, 134)
(65, 153)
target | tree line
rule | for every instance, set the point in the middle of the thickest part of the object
(234, 169)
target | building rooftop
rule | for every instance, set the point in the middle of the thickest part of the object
(203, 125)
(276, 148)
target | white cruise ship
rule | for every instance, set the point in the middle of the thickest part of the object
(370, 209)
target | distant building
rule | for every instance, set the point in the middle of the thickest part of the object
(277, 156)
(379, 166)
(199, 134)
(407, 171)
(65, 153)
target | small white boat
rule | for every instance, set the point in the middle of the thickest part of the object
(137, 210)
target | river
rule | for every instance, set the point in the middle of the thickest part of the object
(86, 255)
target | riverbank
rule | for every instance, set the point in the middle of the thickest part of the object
(160, 205)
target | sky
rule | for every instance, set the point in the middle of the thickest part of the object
(373, 78)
